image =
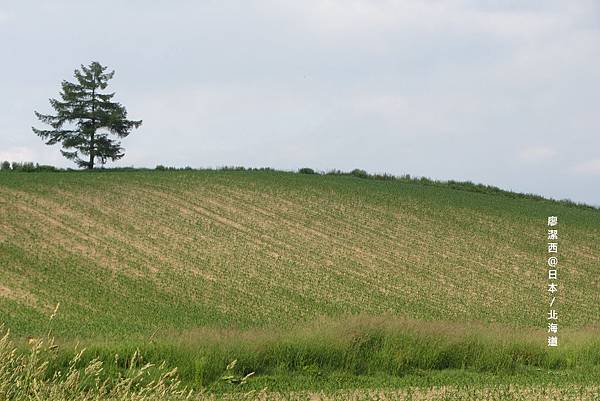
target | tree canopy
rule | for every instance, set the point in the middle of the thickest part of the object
(86, 118)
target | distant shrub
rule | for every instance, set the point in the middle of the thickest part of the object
(359, 173)
(383, 176)
(25, 166)
(161, 167)
(28, 167)
(45, 167)
(306, 170)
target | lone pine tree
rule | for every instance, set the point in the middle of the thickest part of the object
(86, 117)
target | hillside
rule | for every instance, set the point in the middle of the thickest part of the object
(126, 253)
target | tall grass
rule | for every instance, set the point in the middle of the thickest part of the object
(26, 376)
(356, 347)
(359, 346)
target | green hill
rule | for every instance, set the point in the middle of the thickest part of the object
(127, 253)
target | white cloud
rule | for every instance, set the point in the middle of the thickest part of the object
(17, 154)
(5, 16)
(536, 153)
(591, 167)
(344, 18)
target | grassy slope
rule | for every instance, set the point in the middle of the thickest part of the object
(224, 263)
(128, 253)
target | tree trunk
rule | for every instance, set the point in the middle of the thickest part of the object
(91, 162)
(92, 134)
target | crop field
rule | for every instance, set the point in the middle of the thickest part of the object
(327, 281)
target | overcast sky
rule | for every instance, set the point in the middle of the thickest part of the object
(499, 92)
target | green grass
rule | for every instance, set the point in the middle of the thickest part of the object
(331, 361)
(329, 357)
(333, 353)
(180, 256)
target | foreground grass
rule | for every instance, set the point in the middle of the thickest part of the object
(448, 393)
(335, 355)
(309, 355)
(38, 374)
(25, 376)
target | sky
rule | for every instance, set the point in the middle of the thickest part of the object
(503, 93)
